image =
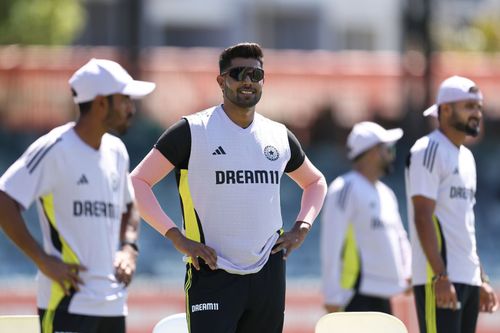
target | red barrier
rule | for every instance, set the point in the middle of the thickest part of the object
(151, 301)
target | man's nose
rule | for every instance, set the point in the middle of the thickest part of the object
(247, 79)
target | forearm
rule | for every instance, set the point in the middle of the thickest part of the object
(150, 208)
(313, 196)
(429, 242)
(15, 228)
(129, 231)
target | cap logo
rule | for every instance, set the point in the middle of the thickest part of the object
(473, 90)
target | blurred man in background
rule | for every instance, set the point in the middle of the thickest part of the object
(228, 162)
(365, 252)
(450, 286)
(78, 174)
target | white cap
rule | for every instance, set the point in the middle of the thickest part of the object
(454, 89)
(100, 77)
(366, 135)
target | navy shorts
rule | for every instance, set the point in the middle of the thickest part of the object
(63, 321)
(361, 302)
(433, 319)
(220, 302)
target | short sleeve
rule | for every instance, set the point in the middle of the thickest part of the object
(423, 171)
(33, 174)
(297, 155)
(175, 144)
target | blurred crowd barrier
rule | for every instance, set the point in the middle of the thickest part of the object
(299, 84)
(150, 301)
(318, 94)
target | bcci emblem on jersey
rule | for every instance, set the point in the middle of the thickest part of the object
(271, 153)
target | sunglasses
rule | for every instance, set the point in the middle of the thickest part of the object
(241, 73)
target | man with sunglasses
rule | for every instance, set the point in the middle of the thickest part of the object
(450, 286)
(365, 252)
(229, 161)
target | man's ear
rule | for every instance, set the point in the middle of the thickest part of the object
(220, 81)
(446, 108)
(100, 103)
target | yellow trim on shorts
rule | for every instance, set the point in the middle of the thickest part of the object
(67, 256)
(187, 286)
(430, 296)
(351, 262)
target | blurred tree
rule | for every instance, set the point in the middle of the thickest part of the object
(481, 34)
(48, 22)
(490, 28)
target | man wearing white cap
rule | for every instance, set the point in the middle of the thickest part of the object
(450, 286)
(78, 175)
(365, 252)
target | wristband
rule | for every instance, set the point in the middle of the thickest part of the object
(440, 276)
(132, 244)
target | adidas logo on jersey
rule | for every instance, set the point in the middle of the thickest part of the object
(219, 151)
(83, 180)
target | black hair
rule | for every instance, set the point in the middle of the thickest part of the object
(360, 155)
(86, 106)
(241, 50)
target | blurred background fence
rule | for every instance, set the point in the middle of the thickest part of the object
(318, 94)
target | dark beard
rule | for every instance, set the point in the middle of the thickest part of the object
(240, 101)
(468, 130)
(388, 168)
(472, 131)
(465, 128)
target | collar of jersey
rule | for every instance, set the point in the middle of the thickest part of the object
(443, 138)
(232, 125)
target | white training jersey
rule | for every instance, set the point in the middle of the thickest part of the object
(230, 187)
(364, 246)
(445, 173)
(80, 194)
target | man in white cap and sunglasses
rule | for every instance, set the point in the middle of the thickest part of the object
(229, 161)
(78, 175)
(365, 252)
(450, 286)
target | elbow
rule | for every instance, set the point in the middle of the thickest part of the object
(322, 185)
(138, 182)
(319, 187)
(318, 182)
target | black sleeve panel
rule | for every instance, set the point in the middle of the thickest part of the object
(297, 154)
(175, 144)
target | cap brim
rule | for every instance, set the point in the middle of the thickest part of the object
(431, 111)
(389, 137)
(138, 89)
(392, 135)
